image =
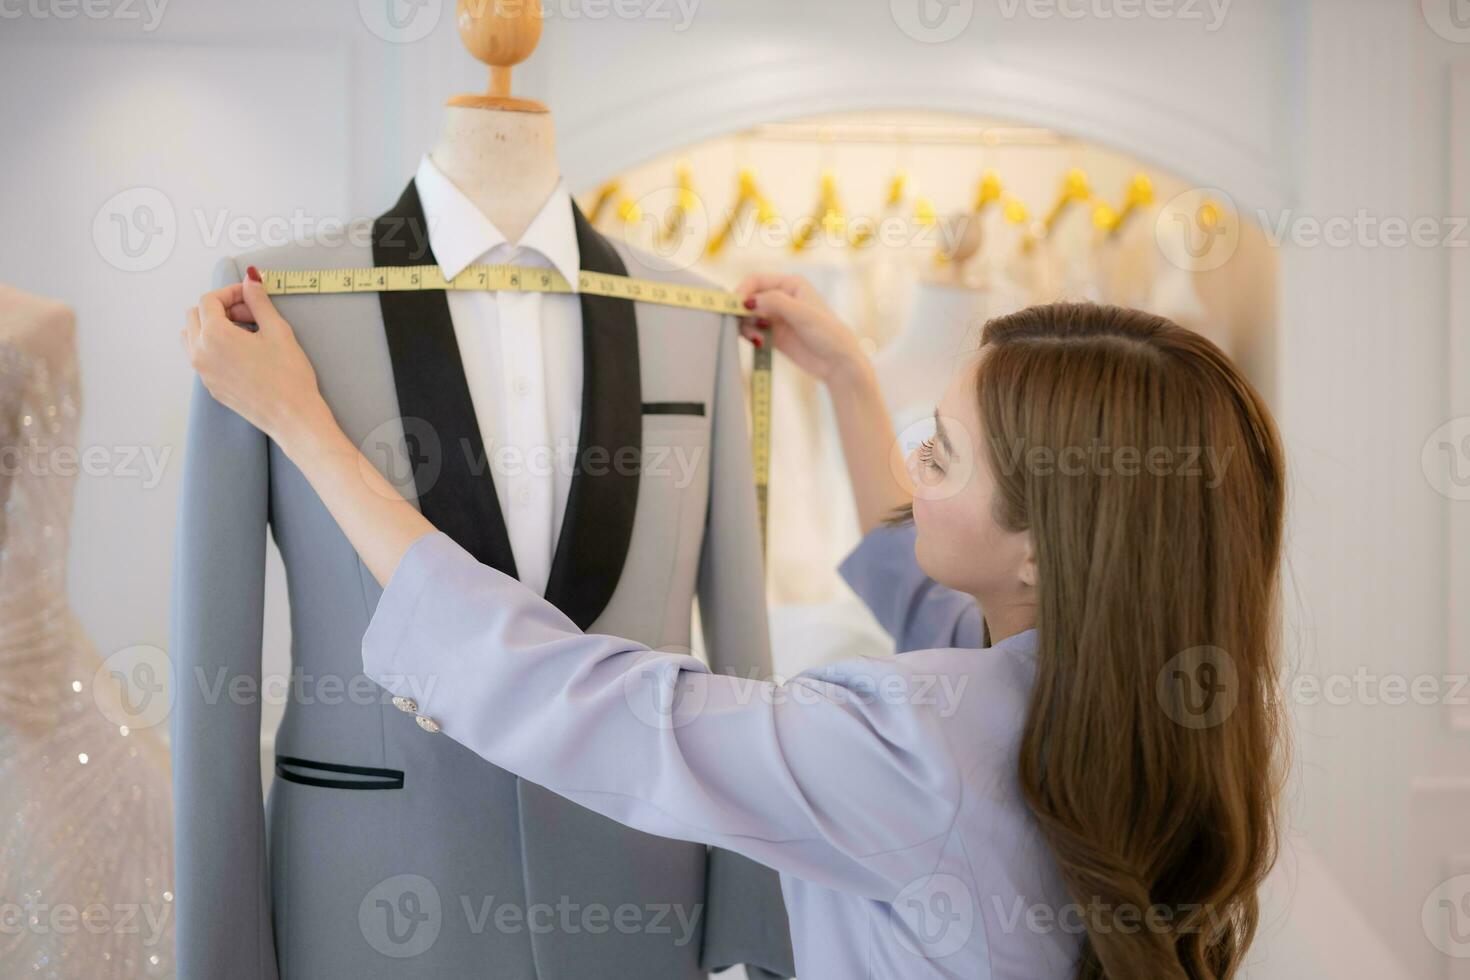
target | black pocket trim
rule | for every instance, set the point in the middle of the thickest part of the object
(388, 778)
(673, 408)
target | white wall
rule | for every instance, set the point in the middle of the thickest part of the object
(1323, 107)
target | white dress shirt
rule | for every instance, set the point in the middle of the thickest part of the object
(522, 355)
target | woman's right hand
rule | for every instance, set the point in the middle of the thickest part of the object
(798, 323)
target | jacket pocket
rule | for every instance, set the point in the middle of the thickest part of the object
(673, 408)
(302, 771)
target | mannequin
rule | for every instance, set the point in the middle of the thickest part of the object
(382, 848)
(500, 150)
(67, 838)
(503, 160)
(37, 325)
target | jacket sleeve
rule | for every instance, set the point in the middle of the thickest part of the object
(745, 915)
(918, 612)
(216, 620)
(841, 777)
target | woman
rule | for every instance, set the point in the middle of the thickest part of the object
(1088, 794)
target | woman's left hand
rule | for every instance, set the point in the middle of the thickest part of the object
(259, 370)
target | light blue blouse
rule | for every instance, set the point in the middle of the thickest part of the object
(883, 790)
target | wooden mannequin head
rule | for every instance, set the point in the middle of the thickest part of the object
(502, 34)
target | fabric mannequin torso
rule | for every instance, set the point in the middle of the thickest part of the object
(84, 780)
(504, 162)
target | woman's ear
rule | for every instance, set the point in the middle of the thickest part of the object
(1029, 572)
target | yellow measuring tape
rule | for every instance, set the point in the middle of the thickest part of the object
(410, 278)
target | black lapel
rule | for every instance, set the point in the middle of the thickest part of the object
(604, 494)
(458, 494)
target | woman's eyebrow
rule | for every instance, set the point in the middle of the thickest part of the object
(939, 431)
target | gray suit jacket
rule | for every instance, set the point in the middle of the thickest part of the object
(383, 851)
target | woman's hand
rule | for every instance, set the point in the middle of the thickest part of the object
(799, 325)
(258, 370)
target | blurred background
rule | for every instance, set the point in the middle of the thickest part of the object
(1290, 177)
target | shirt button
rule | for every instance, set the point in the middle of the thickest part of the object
(406, 704)
(523, 495)
(428, 724)
(522, 386)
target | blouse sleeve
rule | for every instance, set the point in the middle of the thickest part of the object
(837, 776)
(918, 612)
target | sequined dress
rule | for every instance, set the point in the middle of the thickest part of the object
(86, 858)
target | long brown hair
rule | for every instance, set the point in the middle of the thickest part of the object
(1158, 579)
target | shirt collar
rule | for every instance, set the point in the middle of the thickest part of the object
(460, 233)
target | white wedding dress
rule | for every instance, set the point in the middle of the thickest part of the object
(86, 858)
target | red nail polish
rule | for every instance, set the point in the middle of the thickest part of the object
(253, 273)
(759, 342)
(763, 324)
(750, 302)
